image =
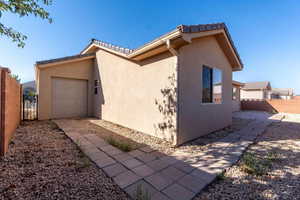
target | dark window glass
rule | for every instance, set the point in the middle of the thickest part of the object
(207, 84)
(212, 85)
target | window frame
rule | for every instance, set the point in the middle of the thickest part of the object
(213, 102)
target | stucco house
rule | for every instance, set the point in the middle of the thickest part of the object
(282, 93)
(165, 88)
(256, 90)
(28, 87)
(236, 95)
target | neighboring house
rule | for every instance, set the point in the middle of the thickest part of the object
(281, 93)
(164, 88)
(29, 89)
(256, 90)
(236, 95)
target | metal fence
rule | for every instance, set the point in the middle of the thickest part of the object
(30, 107)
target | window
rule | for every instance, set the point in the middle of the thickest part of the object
(234, 93)
(96, 85)
(207, 85)
(212, 85)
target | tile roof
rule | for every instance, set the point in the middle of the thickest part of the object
(237, 83)
(210, 27)
(256, 85)
(127, 51)
(200, 27)
(64, 58)
(181, 28)
(112, 46)
(282, 91)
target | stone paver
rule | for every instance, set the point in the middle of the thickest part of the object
(132, 163)
(184, 167)
(158, 165)
(169, 159)
(122, 156)
(176, 192)
(141, 188)
(136, 153)
(158, 154)
(96, 155)
(143, 170)
(146, 157)
(160, 196)
(104, 162)
(126, 178)
(177, 176)
(191, 183)
(147, 149)
(114, 169)
(172, 173)
(97, 141)
(159, 181)
(110, 150)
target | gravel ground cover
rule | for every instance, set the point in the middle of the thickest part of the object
(91, 126)
(276, 154)
(136, 136)
(165, 146)
(42, 163)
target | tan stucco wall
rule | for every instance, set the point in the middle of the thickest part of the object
(252, 94)
(131, 94)
(236, 105)
(74, 70)
(143, 95)
(197, 119)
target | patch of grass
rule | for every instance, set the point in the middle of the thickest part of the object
(142, 194)
(255, 165)
(272, 156)
(274, 111)
(84, 162)
(123, 146)
(221, 176)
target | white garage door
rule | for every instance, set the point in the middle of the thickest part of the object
(69, 98)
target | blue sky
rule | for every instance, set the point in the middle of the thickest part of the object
(266, 33)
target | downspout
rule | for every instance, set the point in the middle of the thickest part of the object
(176, 54)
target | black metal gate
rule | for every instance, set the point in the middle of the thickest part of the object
(30, 107)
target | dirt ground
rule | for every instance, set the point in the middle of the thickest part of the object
(42, 163)
(280, 146)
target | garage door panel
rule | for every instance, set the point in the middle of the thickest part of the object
(69, 98)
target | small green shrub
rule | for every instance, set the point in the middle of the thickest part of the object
(142, 194)
(252, 164)
(83, 163)
(123, 146)
(221, 176)
(272, 156)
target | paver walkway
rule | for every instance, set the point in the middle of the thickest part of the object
(179, 176)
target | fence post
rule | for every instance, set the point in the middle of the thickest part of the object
(3, 72)
(37, 107)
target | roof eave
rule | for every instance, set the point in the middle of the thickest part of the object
(155, 43)
(187, 33)
(237, 83)
(65, 60)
